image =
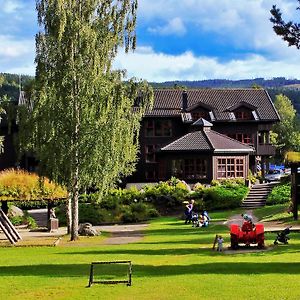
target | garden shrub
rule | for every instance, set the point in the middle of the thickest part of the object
(215, 183)
(137, 212)
(251, 177)
(24, 220)
(169, 194)
(22, 185)
(280, 194)
(88, 212)
(220, 197)
(100, 214)
(198, 187)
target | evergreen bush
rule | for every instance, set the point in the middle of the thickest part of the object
(280, 194)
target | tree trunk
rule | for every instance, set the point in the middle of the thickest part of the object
(75, 189)
(69, 213)
(74, 205)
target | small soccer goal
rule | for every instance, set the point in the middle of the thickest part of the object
(111, 272)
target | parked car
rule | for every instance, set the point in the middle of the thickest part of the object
(274, 175)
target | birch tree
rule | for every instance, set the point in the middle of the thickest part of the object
(84, 128)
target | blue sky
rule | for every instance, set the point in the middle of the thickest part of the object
(177, 40)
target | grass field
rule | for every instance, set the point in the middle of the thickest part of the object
(172, 261)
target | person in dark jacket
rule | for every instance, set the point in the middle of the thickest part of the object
(188, 211)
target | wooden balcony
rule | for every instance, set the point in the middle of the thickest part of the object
(265, 149)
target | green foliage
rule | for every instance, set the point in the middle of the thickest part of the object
(280, 194)
(83, 128)
(251, 177)
(167, 194)
(125, 196)
(287, 131)
(224, 196)
(24, 220)
(137, 212)
(2, 80)
(215, 182)
(198, 187)
(104, 212)
(289, 31)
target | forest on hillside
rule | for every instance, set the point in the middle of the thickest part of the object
(10, 85)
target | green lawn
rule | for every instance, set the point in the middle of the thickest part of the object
(173, 261)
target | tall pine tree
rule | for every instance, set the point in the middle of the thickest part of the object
(84, 128)
(289, 31)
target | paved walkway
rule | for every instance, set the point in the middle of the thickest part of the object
(269, 226)
(120, 234)
(125, 234)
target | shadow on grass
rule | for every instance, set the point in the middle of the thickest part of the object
(150, 252)
(228, 268)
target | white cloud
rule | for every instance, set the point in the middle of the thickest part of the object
(16, 55)
(10, 6)
(12, 48)
(241, 23)
(186, 66)
(174, 26)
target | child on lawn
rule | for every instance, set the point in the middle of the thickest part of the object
(220, 241)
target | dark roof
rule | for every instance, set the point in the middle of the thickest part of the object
(207, 140)
(193, 141)
(220, 100)
(202, 122)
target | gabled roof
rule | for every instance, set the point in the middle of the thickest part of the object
(200, 104)
(193, 141)
(202, 122)
(218, 100)
(207, 140)
(241, 104)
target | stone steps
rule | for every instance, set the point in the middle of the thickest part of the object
(258, 195)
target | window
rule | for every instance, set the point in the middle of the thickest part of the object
(150, 153)
(230, 167)
(242, 137)
(200, 114)
(149, 128)
(158, 128)
(178, 168)
(239, 167)
(243, 115)
(150, 174)
(189, 168)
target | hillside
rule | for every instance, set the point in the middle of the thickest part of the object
(10, 85)
(276, 82)
(275, 86)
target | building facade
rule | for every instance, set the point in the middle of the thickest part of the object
(232, 134)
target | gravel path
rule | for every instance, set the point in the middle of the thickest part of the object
(238, 219)
(123, 234)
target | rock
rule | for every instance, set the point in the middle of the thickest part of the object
(15, 211)
(87, 229)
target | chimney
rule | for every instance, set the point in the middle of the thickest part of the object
(184, 103)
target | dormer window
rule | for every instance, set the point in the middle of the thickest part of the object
(242, 111)
(200, 114)
(243, 115)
